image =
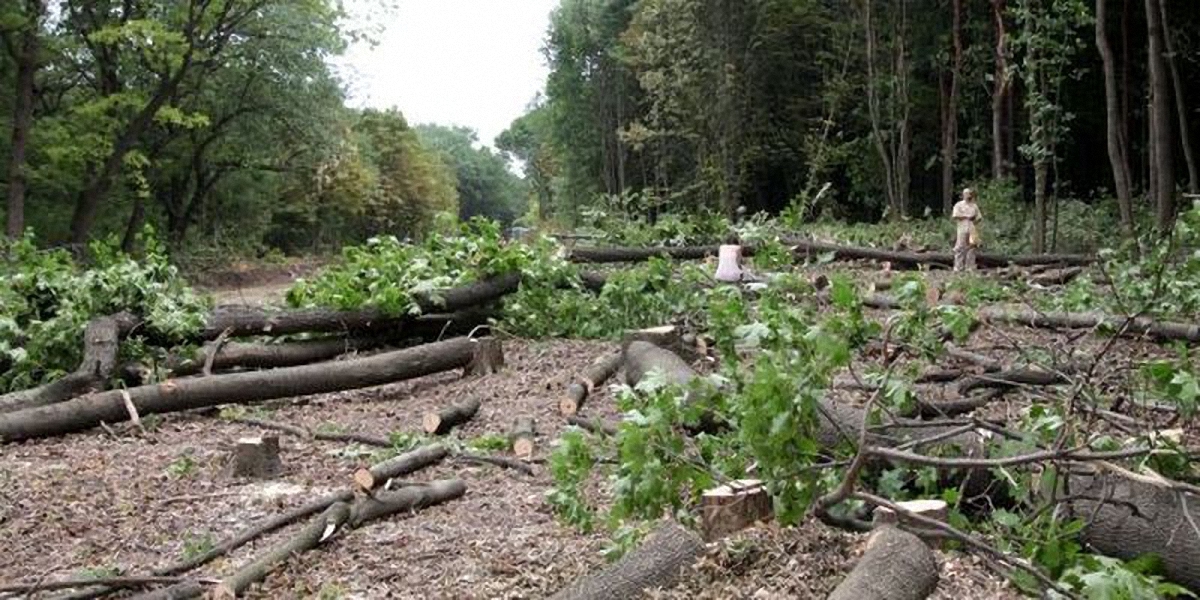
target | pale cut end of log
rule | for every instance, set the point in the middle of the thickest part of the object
(488, 358)
(257, 457)
(929, 508)
(441, 422)
(732, 507)
(364, 480)
(576, 392)
(522, 437)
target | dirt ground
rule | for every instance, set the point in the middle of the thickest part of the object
(128, 500)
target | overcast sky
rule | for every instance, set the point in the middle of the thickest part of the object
(476, 63)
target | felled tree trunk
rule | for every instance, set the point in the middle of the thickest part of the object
(896, 566)
(101, 340)
(1159, 526)
(643, 358)
(911, 260)
(522, 437)
(183, 394)
(441, 422)
(617, 254)
(657, 563)
(1141, 326)
(593, 376)
(379, 474)
(408, 498)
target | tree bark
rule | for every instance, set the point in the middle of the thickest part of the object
(595, 375)
(909, 260)
(1001, 92)
(101, 340)
(521, 437)
(896, 566)
(183, 394)
(22, 119)
(611, 255)
(406, 499)
(950, 112)
(1117, 141)
(319, 530)
(379, 474)
(657, 563)
(1181, 107)
(441, 422)
(1039, 206)
(1163, 168)
(1141, 326)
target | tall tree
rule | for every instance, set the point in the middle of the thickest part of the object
(1162, 168)
(24, 46)
(950, 108)
(1001, 93)
(1118, 144)
(1180, 104)
(891, 131)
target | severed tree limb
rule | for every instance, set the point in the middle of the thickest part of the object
(593, 425)
(499, 461)
(411, 498)
(326, 436)
(594, 376)
(656, 563)
(317, 531)
(379, 474)
(118, 582)
(442, 421)
(183, 394)
(897, 565)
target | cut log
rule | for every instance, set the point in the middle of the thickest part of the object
(1056, 276)
(1141, 326)
(409, 498)
(488, 358)
(379, 474)
(732, 507)
(933, 509)
(245, 321)
(616, 254)
(1164, 522)
(328, 436)
(183, 394)
(655, 564)
(897, 565)
(499, 461)
(135, 581)
(441, 422)
(181, 591)
(257, 458)
(593, 425)
(911, 260)
(642, 358)
(1011, 378)
(522, 436)
(592, 377)
(101, 341)
(317, 531)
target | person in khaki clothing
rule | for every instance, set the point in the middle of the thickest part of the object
(966, 215)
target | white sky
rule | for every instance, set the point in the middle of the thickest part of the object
(475, 63)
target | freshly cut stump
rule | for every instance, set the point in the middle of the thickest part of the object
(594, 376)
(521, 437)
(488, 358)
(937, 510)
(257, 457)
(657, 563)
(376, 476)
(441, 422)
(896, 566)
(730, 508)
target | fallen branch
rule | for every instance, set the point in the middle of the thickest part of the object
(593, 425)
(441, 422)
(897, 565)
(188, 393)
(119, 582)
(1022, 376)
(327, 436)
(379, 474)
(410, 498)
(592, 377)
(521, 437)
(1137, 327)
(656, 563)
(499, 461)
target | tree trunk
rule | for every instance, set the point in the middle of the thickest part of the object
(1160, 122)
(912, 260)
(136, 218)
(1001, 90)
(896, 566)
(22, 118)
(1181, 107)
(379, 474)
(1039, 206)
(595, 375)
(183, 394)
(1118, 143)
(657, 563)
(1141, 326)
(406, 499)
(441, 422)
(609, 255)
(950, 114)
(522, 437)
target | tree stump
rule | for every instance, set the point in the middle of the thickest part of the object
(522, 436)
(257, 457)
(488, 358)
(441, 422)
(730, 508)
(933, 509)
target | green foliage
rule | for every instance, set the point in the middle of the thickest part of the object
(46, 301)
(570, 465)
(195, 546)
(1175, 382)
(489, 443)
(1103, 578)
(184, 465)
(485, 186)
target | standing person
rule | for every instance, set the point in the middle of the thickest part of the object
(966, 215)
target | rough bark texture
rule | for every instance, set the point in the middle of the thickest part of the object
(183, 394)
(245, 321)
(641, 358)
(655, 564)
(488, 358)
(441, 422)
(896, 566)
(101, 341)
(592, 377)
(1160, 526)
(307, 538)
(257, 458)
(379, 474)
(408, 498)
(732, 507)
(521, 437)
